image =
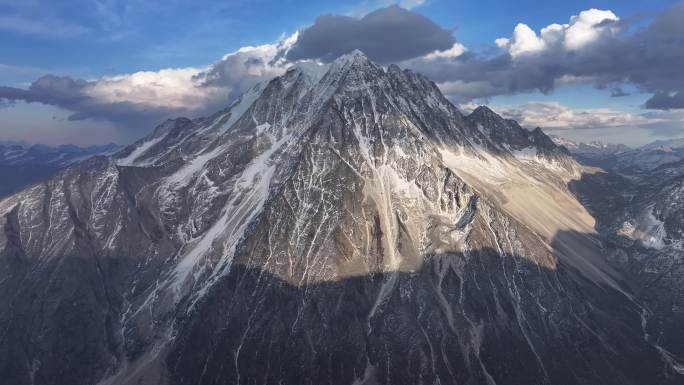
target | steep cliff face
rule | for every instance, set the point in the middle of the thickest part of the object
(343, 224)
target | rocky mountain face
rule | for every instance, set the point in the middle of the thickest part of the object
(340, 224)
(22, 165)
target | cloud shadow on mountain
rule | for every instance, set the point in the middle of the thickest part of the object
(460, 319)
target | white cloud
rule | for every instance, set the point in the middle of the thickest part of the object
(502, 42)
(456, 50)
(468, 107)
(583, 29)
(139, 100)
(524, 40)
(553, 115)
(194, 89)
(171, 88)
(552, 34)
(586, 27)
(263, 61)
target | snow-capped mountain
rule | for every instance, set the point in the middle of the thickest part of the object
(593, 153)
(22, 165)
(624, 159)
(665, 144)
(649, 158)
(595, 147)
(340, 224)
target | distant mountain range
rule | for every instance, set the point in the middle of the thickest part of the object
(623, 158)
(23, 164)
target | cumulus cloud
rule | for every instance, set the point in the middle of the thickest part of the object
(241, 69)
(582, 30)
(134, 100)
(386, 35)
(171, 88)
(595, 47)
(142, 99)
(456, 50)
(524, 41)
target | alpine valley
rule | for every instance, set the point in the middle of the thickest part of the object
(344, 224)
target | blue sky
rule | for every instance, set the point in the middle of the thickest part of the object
(93, 39)
(127, 36)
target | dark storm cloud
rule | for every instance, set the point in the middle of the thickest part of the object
(386, 35)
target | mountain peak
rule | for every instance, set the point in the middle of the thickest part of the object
(355, 55)
(355, 59)
(484, 112)
(485, 117)
(313, 70)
